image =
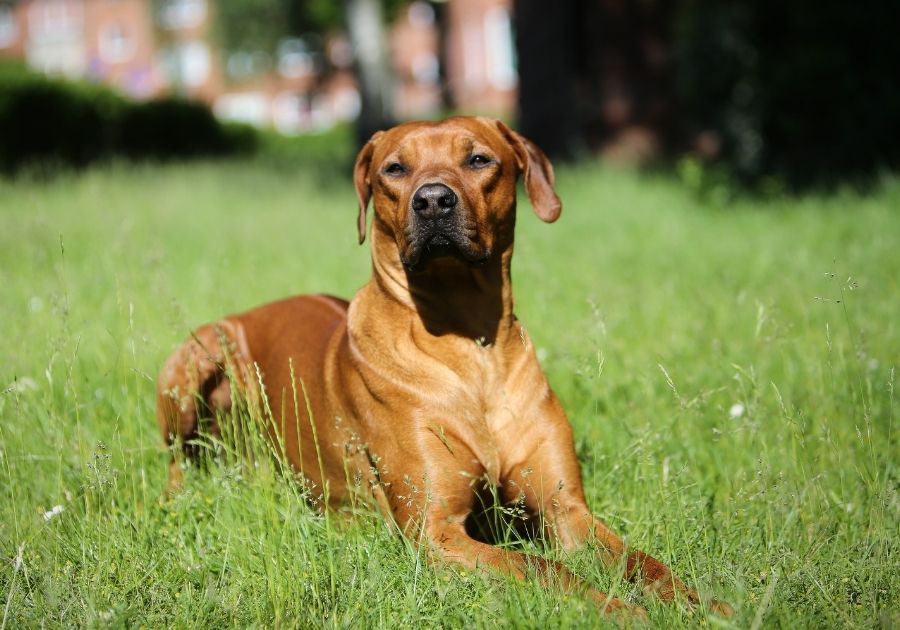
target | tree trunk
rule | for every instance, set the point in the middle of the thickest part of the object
(548, 108)
(365, 26)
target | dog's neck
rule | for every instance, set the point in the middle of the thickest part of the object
(449, 296)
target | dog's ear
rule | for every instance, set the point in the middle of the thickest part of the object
(538, 171)
(362, 182)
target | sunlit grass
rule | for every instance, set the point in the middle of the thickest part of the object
(730, 374)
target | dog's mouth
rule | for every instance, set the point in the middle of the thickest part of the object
(430, 242)
(441, 245)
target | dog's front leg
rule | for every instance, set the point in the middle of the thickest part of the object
(449, 542)
(548, 478)
(437, 521)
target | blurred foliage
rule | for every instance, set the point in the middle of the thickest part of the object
(767, 94)
(327, 157)
(250, 24)
(54, 121)
(45, 121)
(174, 128)
(258, 25)
(802, 90)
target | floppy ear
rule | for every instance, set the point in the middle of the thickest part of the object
(538, 174)
(363, 184)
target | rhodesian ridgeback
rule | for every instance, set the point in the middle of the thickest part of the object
(425, 386)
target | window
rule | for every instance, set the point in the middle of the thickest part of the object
(498, 41)
(54, 20)
(178, 14)
(55, 44)
(187, 65)
(421, 14)
(296, 112)
(65, 57)
(195, 62)
(426, 68)
(294, 58)
(242, 65)
(115, 44)
(9, 30)
(346, 103)
(247, 107)
(473, 55)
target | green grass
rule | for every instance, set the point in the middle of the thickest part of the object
(654, 316)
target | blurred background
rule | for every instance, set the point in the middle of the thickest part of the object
(717, 309)
(770, 94)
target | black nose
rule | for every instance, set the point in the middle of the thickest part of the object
(433, 201)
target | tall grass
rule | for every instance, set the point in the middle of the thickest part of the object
(730, 374)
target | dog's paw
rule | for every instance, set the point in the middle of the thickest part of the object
(719, 607)
(713, 605)
(623, 613)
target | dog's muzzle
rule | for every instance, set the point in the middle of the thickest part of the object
(440, 225)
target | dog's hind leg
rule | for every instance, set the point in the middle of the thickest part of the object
(194, 385)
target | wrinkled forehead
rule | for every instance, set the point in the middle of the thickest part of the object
(444, 141)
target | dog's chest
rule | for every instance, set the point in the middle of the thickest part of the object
(492, 408)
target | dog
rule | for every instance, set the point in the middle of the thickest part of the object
(425, 388)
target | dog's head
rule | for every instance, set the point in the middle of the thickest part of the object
(448, 188)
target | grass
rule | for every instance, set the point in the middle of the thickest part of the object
(729, 372)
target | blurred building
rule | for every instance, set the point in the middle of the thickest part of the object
(457, 54)
(480, 55)
(117, 42)
(110, 42)
(414, 48)
(307, 85)
(185, 52)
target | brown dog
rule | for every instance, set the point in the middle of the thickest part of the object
(426, 382)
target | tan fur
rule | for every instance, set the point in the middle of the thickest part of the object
(425, 386)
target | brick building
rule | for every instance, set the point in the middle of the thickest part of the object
(145, 49)
(117, 42)
(480, 55)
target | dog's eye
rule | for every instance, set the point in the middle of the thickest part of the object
(479, 161)
(395, 168)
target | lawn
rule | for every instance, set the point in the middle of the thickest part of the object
(729, 371)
